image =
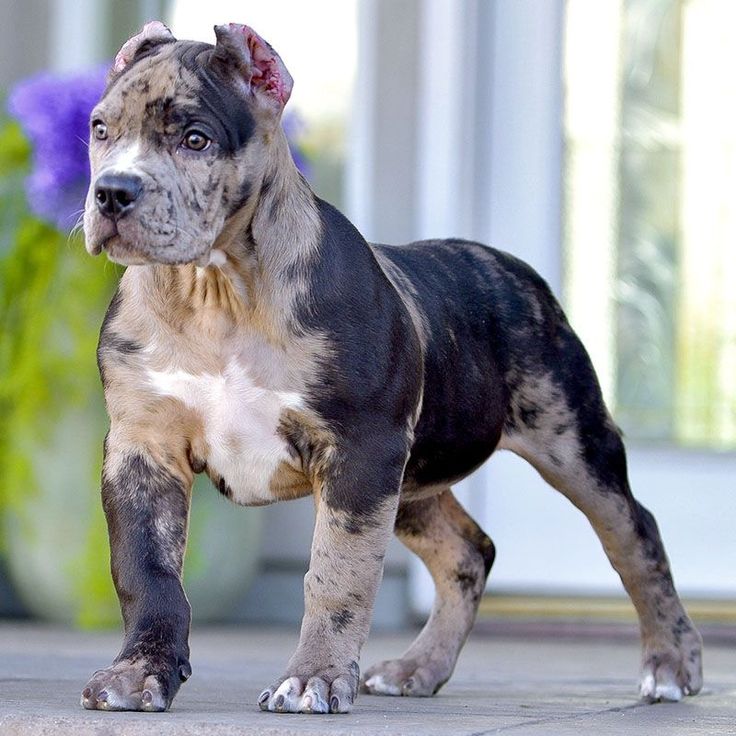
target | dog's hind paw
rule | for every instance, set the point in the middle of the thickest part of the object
(404, 677)
(669, 675)
(660, 690)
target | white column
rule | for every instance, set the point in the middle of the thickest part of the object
(381, 165)
(360, 169)
(444, 118)
(525, 88)
(78, 34)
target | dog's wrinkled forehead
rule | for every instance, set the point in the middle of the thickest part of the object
(167, 86)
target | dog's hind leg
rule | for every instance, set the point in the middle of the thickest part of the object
(459, 556)
(558, 422)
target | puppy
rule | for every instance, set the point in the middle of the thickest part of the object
(258, 338)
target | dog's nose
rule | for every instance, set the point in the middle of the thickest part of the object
(116, 194)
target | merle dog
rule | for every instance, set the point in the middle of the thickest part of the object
(256, 337)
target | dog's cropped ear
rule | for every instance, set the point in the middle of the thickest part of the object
(252, 60)
(151, 35)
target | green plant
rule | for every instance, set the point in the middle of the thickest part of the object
(52, 298)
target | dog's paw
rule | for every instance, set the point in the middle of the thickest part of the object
(327, 691)
(133, 685)
(670, 673)
(405, 677)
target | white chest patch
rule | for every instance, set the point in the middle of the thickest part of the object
(240, 420)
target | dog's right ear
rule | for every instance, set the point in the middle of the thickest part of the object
(151, 35)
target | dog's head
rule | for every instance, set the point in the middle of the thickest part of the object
(178, 142)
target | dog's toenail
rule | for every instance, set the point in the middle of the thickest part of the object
(146, 696)
(87, 693)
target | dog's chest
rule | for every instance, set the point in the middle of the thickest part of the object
(239, 420)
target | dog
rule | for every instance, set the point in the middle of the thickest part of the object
(257, 337)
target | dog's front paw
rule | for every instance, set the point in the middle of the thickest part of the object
(405, 677)
(135, 685)
(668, 673)
(327, 691)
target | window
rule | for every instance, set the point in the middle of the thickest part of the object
(650, 221)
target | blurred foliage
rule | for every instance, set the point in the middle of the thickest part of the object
(52, 298)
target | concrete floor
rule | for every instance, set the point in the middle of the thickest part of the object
(520, 685)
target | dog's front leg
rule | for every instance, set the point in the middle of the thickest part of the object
(146, 504)
(356, 509)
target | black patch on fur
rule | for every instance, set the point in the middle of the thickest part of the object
(267, 183)
(224, 488)
(307, 445)
(112, 310)
(241, 197)
(529, 415)
(467, 579)
(274, 208)
(196, 463)
(112, 345)
(648, 532)
(341, 620)
(119, 344)
(483, 544)
(354, 525)
(411, 518)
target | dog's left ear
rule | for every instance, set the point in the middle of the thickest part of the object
(151, 35)
(256, 64)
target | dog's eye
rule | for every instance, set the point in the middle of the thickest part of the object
(195, 140)
(99, 130)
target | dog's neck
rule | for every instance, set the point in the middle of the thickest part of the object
(254, 272)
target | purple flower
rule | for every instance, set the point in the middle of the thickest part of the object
(53, 110)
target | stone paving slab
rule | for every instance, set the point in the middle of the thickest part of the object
(520, 686)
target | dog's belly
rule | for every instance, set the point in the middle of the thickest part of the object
(240, 441)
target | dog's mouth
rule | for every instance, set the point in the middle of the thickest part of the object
(118, 251)
(107, 238)
(117, 247)
(121, 251)
(128, 243)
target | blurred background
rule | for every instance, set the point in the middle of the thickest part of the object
(596, 140)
